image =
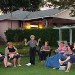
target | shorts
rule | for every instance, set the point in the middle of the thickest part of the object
(72, 59)
(15, 56)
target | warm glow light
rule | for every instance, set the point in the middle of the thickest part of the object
(28, 26)
(35, 26)
(40, 26)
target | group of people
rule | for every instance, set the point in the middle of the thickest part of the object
(44, 50)
(64, 55)
(11, 53)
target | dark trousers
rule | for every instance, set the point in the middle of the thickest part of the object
(32, 55)
(43, 55)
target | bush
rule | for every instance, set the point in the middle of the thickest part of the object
(49, 34)
(22, 49)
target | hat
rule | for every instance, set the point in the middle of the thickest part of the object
(32, 36)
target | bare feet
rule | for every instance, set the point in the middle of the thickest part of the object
(67, 71)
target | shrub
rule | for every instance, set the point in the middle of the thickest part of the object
(52, 35)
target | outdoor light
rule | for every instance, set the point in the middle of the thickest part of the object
(28, 26)
(40, 26)
(34, 26)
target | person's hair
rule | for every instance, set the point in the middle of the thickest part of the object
(47, 42)
(32, 36)
(73, 51)
(71, 47)
(62, 42)
(8, 43)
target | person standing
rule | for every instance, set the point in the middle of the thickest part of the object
(32, 44)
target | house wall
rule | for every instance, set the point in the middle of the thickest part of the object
(5, 25)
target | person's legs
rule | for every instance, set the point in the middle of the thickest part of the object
(19, 61)
(68, 66)
(33, 58)
(5, 62)
(18, 58)
(32, 55)
(45, 55)
(14, 61)
(41, 56)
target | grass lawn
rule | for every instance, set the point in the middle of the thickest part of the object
(38, 69)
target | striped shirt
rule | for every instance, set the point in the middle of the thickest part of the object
(62, 49)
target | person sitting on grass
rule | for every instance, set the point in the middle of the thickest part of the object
(61, 49)
(45, 50)
(3, 59)
(53, 61)
(11, 53)
(70, 59)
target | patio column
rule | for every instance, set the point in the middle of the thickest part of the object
(60, 34)
(46, 23)
(70, 35)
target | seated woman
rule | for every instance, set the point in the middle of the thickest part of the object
(70, 59)
(44, 51)
(11, 52)
(62, 48)
(53, 62)
(3, 58)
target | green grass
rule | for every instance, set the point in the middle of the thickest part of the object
(38, 69)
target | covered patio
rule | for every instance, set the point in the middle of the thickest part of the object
(63, 24)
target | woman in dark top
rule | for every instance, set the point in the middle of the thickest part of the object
(32, 44)
(44, 51)
(12, 53)
(70, 59)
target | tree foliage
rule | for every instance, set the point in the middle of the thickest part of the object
(65, 4)
(11, 5)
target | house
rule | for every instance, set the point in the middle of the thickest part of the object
(38, 19)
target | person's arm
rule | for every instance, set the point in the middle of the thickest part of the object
(41, 48)
(16, 51)
(58, 49)
(38, 42)
(26, 43)
(6, 51)
(68, 58)
(47, 49)
(0, 55)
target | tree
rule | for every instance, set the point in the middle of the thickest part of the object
(8, 5)
(12, 5)
(65, 4)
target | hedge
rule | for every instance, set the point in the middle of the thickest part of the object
(52, 35)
